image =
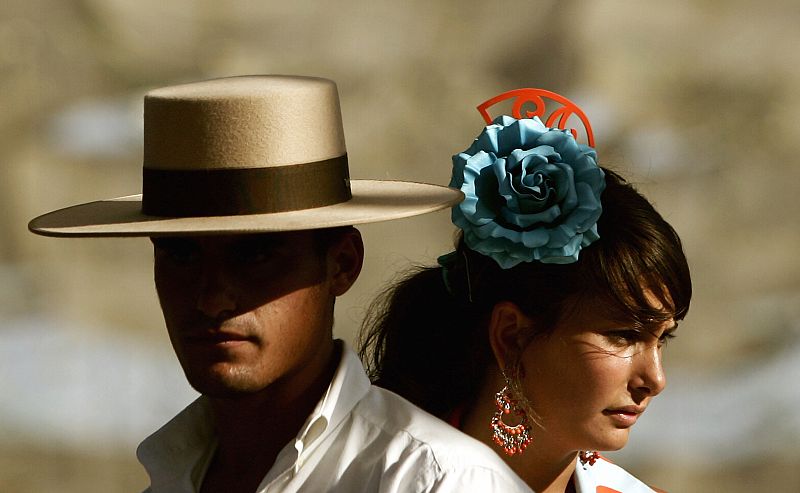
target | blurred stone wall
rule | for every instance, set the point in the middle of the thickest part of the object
(694, 101)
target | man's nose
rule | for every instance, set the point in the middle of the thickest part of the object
(216, 296)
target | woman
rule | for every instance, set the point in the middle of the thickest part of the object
(542, 334)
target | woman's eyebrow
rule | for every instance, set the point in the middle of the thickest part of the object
(667, 330)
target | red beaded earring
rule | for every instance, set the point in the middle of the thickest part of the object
(512, 439)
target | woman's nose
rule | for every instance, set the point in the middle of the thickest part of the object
(649, 378)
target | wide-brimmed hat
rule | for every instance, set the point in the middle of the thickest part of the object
(242, 155)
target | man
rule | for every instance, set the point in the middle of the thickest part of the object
(248, 201)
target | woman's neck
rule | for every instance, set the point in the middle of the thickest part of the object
(544, 472)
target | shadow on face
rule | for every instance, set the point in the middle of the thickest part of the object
(221, 277)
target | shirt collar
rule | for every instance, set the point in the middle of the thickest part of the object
(348, 386)
(176, 455)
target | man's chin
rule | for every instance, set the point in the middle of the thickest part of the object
(224, 383)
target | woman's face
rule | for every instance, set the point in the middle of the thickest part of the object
(591, 379)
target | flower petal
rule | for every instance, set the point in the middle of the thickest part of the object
(532, 193)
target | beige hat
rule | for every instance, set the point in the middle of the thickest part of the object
(240, 155)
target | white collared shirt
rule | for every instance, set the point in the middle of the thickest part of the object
(605, 477)
(359, 438)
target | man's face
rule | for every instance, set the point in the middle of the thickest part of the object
(246, 312)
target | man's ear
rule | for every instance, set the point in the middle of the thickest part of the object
(345, 258)
(509, 331)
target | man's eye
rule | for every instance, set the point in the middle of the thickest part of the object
(255, 257)
(176, 251)
(179, 255)
(183, 255)
(259, 250)
(256, 254)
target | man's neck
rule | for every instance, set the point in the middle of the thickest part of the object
(251, 430)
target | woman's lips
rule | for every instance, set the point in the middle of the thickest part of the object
(624, 417)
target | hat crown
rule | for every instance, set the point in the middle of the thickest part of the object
(242, 122)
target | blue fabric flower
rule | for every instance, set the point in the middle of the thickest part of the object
(532, 193)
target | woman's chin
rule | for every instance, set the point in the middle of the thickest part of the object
(612, 441)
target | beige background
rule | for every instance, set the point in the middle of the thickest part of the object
(696, 101)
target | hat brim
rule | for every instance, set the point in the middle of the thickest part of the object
(373, 201)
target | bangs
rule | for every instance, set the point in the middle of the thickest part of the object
(634, 290)
(638, 267)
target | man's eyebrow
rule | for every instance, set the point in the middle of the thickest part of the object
(170, 241)
(267, 240)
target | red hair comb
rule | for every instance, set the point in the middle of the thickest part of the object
(535, 96)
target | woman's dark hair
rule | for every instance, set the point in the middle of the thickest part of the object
(426, 338)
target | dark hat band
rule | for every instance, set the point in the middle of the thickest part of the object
(238, 191)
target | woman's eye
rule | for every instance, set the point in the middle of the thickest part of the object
(628, 336)
(665, 338)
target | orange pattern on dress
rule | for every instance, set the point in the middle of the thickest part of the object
(606, 489)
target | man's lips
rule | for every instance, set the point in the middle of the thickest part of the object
(216, 337)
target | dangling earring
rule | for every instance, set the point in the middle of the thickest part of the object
(588, 457)
(512, 439)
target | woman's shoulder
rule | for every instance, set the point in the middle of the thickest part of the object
(603, 476)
